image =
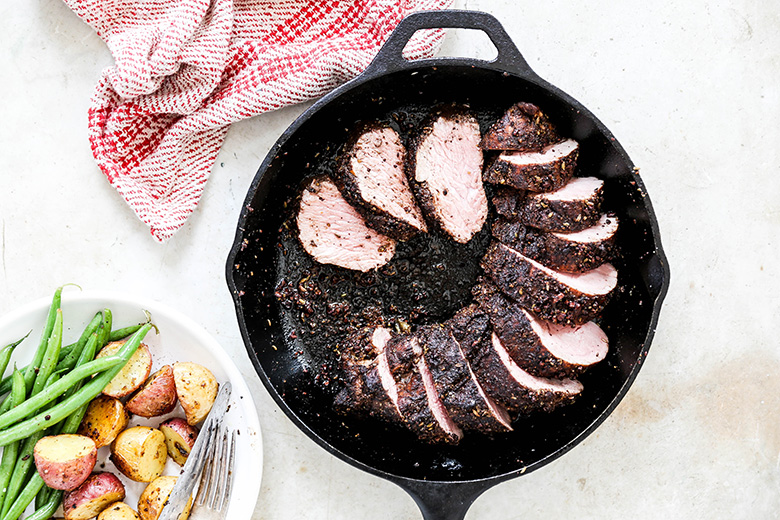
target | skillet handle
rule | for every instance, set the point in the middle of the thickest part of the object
(390, 56)
(444, 500)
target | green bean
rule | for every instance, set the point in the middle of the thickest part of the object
(49, 361)
(8, 350)
(32, 369)
(71, 424)
(24, 459)
(69, 361)
(66, 407)
(104, 331)
(11, 451)
(27, 495)
(53, 391)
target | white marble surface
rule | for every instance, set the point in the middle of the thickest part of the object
(691, 91)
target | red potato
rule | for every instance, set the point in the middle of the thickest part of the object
(65, 461)
(118, 511)
(104, 419)
(140, 453)
(180, 436)
(132, 375)
(196, 388)
(98, 492)
(154, 497)
(156, 397)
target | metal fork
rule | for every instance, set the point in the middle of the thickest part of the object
(216, 480)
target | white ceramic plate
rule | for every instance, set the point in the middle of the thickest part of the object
(180, 339)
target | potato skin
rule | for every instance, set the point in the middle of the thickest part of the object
(140, 453)
(156, 397)
(180, 436)
(154, 497)
(118, 511)
(88, 500)
(65, 461)
(104, 419)
(132, 375)
(196, 388)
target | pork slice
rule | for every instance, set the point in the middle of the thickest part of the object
(370, 176)
(460, 392)
(518, 391)
(542, 348)
(368, 387)
(333, 232)
(523, 127)
(418, 402)
(574, 207)
(444, 167)
(570, 252)
(508, 202)
(563, 298)
(546, 170)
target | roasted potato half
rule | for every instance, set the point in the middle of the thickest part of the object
(140, 453)
(156, 397)
(180, 436)
(132, 375)
(104, 419)
(88, 500)
(65, 461)
(196, 388)
(154, 497)
(118, 511)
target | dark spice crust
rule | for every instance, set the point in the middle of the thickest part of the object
(524, 346)
(451, 376)
(523, 127)
(412, 398)
(420, 189)
(553, 251)
(563, 216)
(362, 392)
(533, 177)
(376, 217)
(537, 291)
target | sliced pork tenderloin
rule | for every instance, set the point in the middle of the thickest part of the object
(508, 202)
(546, 170)
(563, 298)
(418, 402)
(570, 252)
(574, 207)
(333, 232)
(518, 391)
(509, 385)
(370, 176)
(465, 400)
(368, 387)
(523, 127)
(542, 348)
(444, 167)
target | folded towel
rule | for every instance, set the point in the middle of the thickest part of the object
(185, 69)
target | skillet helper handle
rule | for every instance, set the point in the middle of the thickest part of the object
(390, 56)
(444, 500)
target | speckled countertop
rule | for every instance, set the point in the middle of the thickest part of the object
(690, 89)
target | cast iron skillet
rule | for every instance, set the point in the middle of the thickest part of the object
(443, 480)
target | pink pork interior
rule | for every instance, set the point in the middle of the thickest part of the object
(566, 386)
(582, 345)
(379, 339)
(578, 188)
(378, 165)
(604, 229)
(550, 154)
(597, 281)
(449, 160)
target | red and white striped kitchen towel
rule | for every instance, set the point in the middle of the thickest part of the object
(185, 69)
